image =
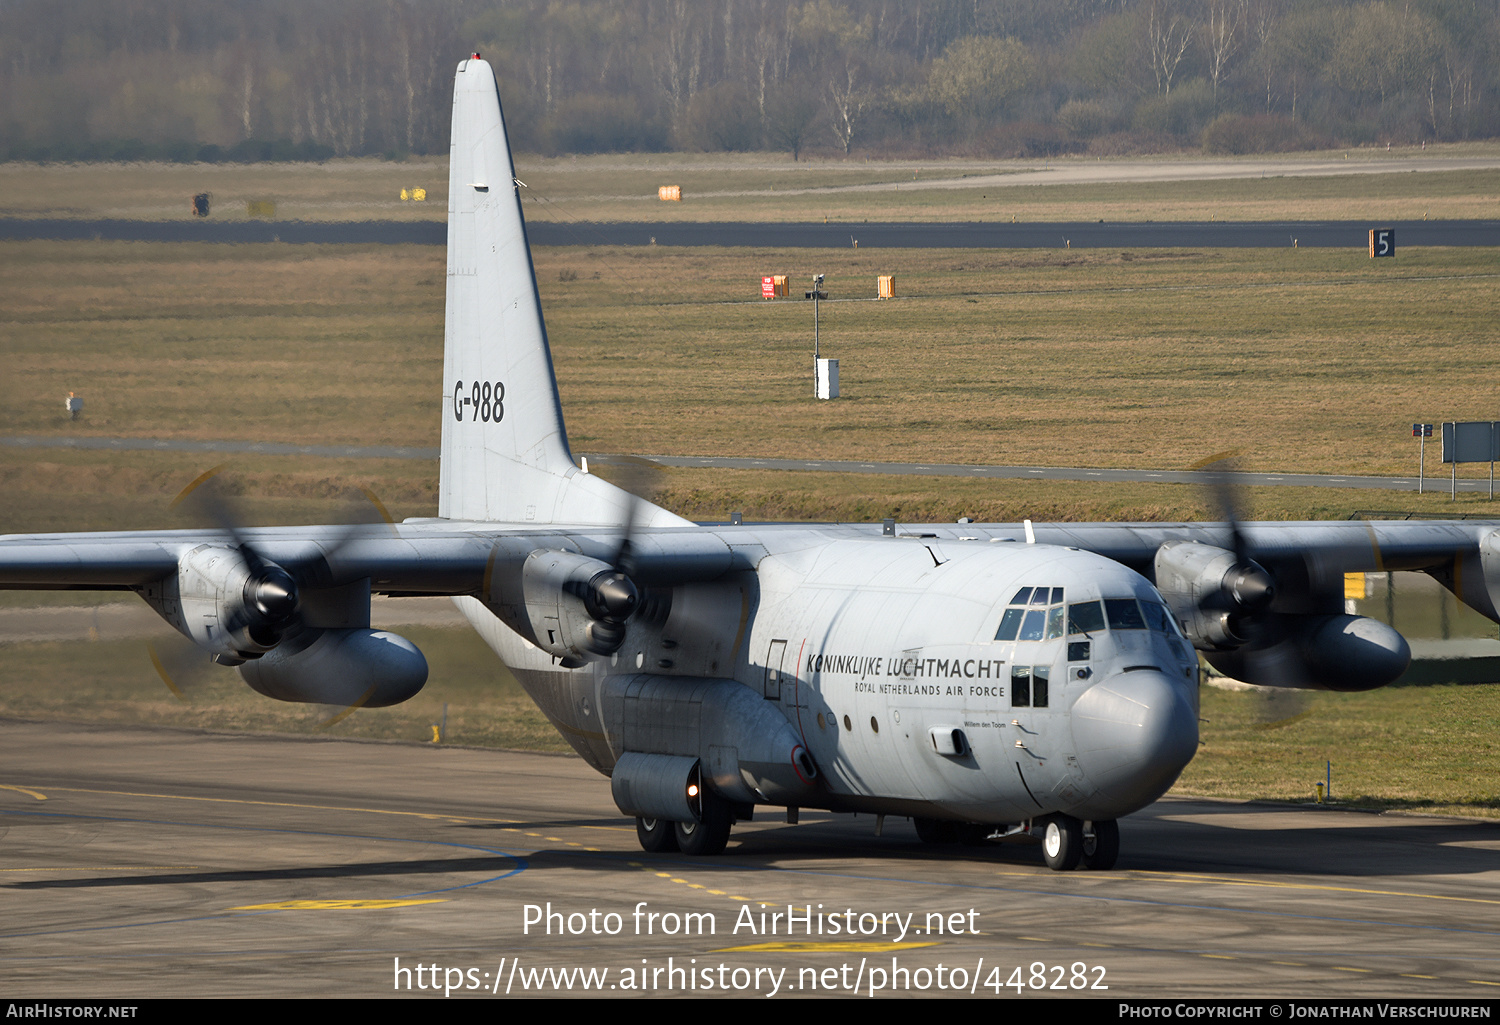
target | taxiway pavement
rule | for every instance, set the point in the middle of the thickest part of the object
(140, 862)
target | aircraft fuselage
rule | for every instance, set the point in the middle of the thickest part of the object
(968, 680)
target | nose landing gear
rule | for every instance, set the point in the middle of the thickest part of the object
(1068, 843)
(1101, 845)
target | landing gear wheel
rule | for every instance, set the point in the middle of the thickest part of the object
(1062, 843)
(936, 830)
(1101, 846)
(656, 835)
(709, 836)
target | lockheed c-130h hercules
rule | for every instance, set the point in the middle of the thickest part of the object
(983, 679)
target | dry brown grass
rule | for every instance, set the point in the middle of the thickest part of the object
(1302, 360)
(114, 682)
(339, 190)
(1308, 360)
(756, 187)
(1446, 765)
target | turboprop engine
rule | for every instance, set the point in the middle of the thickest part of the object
(228, 601)
(292, 642)
(568, 604)
(1256, 627)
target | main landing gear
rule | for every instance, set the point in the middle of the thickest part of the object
(709, 835)
(1068, 843)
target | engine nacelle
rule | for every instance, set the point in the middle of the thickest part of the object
(1345, 653)
(568, 604)
(1210, 591)
(223, 603)
(364, 668)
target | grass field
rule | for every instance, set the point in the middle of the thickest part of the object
(114, 682)
(1307, 360)
(1304, 360)
(769, 187)
(1419, 749)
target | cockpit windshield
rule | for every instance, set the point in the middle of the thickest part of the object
(1038, 613)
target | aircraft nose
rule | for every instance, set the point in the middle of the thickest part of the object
(1134, 733)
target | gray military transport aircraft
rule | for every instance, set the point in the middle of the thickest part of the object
(986, 680)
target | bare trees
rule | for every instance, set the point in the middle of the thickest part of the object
(371, 76)
(1168, 34)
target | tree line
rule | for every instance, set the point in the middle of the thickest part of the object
(308, 79)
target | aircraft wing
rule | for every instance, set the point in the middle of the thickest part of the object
(400, 559)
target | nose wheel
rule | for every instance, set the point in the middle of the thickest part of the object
(1062, 843)
(1101, 845)
(1068, 843)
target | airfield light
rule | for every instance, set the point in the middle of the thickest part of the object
(817, 295)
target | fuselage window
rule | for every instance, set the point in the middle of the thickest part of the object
(1160, 619)
(1028, 686)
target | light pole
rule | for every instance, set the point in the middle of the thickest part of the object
(816, 295)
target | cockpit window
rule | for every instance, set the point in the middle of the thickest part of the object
(1036, 613)
(1031, 628)
(1010, 623)
(1085, 617)
(1159, 619)
(1123, 614)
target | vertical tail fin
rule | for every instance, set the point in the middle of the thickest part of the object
(505, 454)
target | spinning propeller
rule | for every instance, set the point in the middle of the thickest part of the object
(1224, 597)
(264, 603)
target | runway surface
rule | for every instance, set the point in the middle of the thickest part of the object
(914, 235)
(167, 863)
